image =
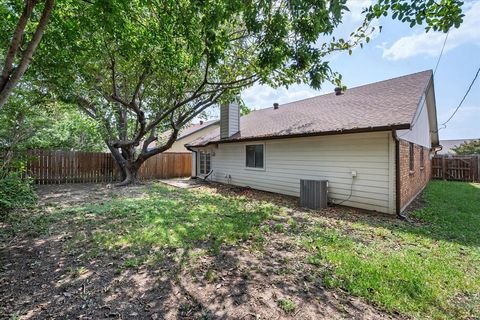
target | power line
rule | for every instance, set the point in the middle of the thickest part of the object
(461, 102)
(441, 53)
(414, 122)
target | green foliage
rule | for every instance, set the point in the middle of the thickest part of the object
(139, 68)
(425, 271)
(69, 129)
(244, 110)
(15, 191)
(472, 147)
(286, 305)
(46, 125)
(435, 15)
(180, 52)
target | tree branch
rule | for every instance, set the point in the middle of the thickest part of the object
(15, 43)
(27, 54)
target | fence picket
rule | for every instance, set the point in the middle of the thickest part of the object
(457, 168)
(59, 167)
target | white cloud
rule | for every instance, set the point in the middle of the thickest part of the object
(356, 7)
(430, 43)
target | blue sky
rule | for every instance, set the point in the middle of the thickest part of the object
(400, 50)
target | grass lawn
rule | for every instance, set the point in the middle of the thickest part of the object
(428, 268)
(167, 218)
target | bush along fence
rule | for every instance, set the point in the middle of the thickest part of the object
(457, 168)
(57, 167)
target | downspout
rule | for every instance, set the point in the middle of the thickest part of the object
(194, 155)
(397, 175)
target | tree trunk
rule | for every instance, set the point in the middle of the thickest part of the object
(128, 165)
(130, 175)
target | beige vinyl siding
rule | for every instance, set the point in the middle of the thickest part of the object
(179, 145)
(325, 157)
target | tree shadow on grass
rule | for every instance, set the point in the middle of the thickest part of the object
(174, 255)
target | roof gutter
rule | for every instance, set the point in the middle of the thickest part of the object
(311, 134)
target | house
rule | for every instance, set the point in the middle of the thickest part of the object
(373, 143)
(448, 145)
(189, 134)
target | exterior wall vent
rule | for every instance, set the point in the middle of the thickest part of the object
(313, 194)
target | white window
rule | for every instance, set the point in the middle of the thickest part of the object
(254, 156)
(204, 162)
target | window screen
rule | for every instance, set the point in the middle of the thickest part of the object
(207, 162)
(254, 156)
(422, 158)
(204, 162)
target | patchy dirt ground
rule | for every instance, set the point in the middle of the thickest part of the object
(41, 278)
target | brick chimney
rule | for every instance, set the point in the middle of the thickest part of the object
(229, 120)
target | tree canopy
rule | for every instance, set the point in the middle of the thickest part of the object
(141, 67)
(466, 148)
(47, 125)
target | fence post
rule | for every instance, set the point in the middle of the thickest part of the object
(444, 167)
(476, 168)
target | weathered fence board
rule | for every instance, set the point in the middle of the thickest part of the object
(457, 168)
(56, 167)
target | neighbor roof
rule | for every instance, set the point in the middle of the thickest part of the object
(448, 145)
(185, 132)
(191, 129)
(194, 128)
(384, 105)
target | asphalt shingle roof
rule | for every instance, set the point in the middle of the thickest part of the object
(385, 104)
(194, 128)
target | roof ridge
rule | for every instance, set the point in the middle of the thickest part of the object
(356, 87)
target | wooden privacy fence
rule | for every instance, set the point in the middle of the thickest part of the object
(457, 168)
(167, 165)
(56, 167)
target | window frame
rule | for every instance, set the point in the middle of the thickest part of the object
(411, 157)
(422, 158)
(245, 157)
(204, 153)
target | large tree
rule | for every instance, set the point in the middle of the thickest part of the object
(141, 67)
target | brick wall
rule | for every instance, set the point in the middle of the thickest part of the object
(412, 181)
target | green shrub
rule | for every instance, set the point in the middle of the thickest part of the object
(15, 191)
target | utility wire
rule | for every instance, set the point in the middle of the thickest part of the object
(414, 122)
(444, 125)
(441, 53)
